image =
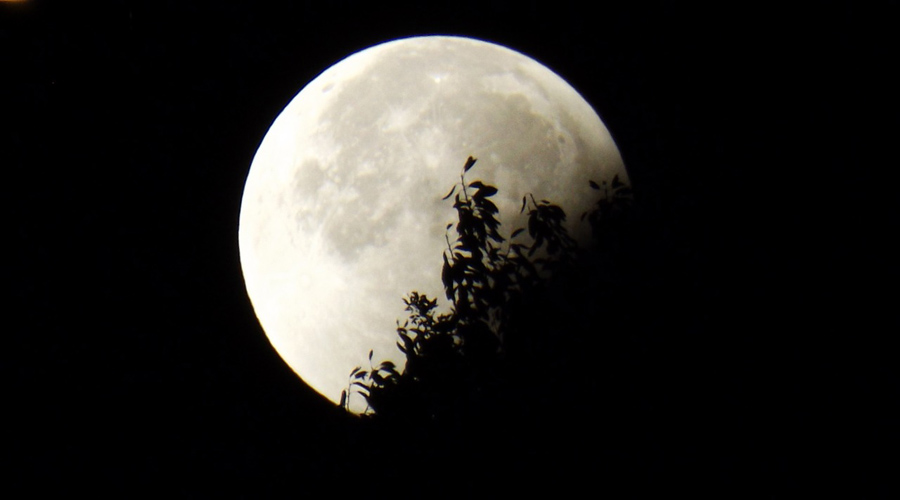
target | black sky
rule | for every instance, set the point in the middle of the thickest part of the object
(755, 135)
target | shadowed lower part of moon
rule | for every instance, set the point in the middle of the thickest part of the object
(342, 213)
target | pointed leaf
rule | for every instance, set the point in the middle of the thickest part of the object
(450, 193)
(533, 225)
(446, 268)
(469, 163)
(594, 185)
(486, 191)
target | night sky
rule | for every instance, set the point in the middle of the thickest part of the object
(755, 138)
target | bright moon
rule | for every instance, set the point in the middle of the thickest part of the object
(342, 214)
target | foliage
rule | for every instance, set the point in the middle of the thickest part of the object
(611, 211)
(456, 359)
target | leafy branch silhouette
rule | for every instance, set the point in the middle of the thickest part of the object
(453, 359)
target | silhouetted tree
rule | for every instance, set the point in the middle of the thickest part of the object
(459, 361)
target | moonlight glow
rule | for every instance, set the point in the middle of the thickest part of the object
(342, 213)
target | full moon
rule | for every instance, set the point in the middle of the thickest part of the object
(342, 215)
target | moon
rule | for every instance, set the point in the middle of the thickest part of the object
(342, 216)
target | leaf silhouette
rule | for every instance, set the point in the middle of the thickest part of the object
(469, 164)
(452, 190)
(486, 191)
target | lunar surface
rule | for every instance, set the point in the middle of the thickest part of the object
(342, 214)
